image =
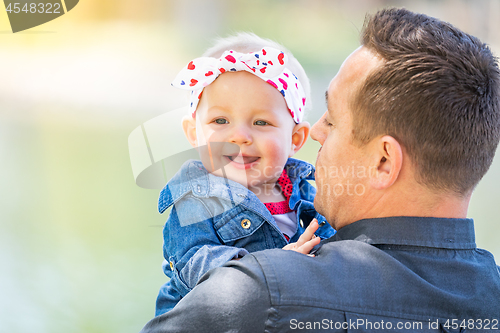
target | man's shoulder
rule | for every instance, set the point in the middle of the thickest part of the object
(285, 270)
(330, 254)
(357, 277)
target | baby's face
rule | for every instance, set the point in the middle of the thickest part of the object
(248, 127)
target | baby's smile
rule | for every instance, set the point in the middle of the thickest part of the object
(242, 161)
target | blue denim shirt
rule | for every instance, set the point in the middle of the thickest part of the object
(214, 220)
(395, 274)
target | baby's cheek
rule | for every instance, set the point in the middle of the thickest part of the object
(212, 136)
(276, 150)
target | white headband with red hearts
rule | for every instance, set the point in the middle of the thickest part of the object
(269, 64)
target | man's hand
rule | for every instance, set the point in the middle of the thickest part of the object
(306, 241)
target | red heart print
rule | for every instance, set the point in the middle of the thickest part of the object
(193, 82)
(283, 82)
(230, 58)
(280, 58)
(191, 66)
(272, 83)
(209, 73)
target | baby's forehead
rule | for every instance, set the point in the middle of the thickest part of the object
(243, 76)
(243, 85)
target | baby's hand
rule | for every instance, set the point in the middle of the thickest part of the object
(306, 241)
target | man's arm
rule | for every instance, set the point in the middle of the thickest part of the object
(233, 298)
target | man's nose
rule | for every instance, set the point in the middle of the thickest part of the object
(316, 132)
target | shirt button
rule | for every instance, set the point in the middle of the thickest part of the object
(322, 223)
(245, 223)
(172, 265)
(301, 223)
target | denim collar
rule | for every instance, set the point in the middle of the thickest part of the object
(411, 231)
(193, 178)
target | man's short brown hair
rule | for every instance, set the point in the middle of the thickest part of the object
(437, 93)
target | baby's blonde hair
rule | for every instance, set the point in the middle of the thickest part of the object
(246, 42)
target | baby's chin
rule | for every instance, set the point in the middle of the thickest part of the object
(227, 170)
(238, 176)
(249, 178)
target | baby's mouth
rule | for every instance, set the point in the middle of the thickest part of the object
(239, 159)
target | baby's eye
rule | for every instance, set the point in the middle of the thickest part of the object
(221, 121)
(261, 123)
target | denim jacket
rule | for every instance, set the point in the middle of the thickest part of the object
(214, 220)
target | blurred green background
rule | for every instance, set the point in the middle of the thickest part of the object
(80, 243)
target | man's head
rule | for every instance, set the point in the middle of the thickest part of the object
(416, 108)
(437, 93)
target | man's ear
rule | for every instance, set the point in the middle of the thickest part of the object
(299, 136)
(387, 161)
(189, 127)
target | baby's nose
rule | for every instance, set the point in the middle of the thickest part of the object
(241, 135)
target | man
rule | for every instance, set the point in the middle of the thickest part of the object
(412, 125)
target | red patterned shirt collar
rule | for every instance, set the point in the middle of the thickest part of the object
(282, 207)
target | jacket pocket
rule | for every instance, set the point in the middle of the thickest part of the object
(237, 225)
